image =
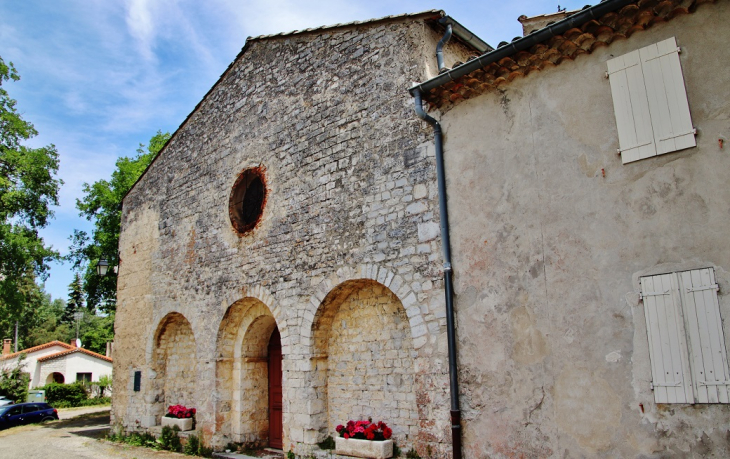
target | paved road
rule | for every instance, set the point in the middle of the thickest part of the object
(75, 436)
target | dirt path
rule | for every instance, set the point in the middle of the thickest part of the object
(74, 438)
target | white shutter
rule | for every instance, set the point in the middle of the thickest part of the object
(631, 107)
(667, 95)
(667, 344)
(650, 102)
(706, 338)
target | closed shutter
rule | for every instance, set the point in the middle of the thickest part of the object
(706, 338)
(631, 107)
(671, 377)
(667, 95)
(650, 102)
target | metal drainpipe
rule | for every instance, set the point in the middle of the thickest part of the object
(448, 285)
(440, 48)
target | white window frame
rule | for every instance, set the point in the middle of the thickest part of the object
(686, 340)
(650, 102)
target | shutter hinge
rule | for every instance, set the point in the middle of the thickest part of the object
(665, 384)
(713, 383)
(643, 295)
(714, 287)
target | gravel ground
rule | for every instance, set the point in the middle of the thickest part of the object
(76, 436)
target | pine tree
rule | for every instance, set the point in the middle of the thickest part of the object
(75, 301)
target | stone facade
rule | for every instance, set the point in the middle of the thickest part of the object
(344, 260)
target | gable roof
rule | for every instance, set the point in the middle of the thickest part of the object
(40, 347)
(74, 350)
(428, 14)
(580, 33)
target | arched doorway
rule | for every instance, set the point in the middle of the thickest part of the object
(55, 377)
(276, 430)
(243, 402)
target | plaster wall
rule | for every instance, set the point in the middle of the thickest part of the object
(550, 235)
(70, 365)
(31, 364)
(351, 195)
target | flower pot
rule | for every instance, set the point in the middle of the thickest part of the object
(183, 424)
(364, 448)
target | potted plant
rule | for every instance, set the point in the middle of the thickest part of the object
(364, 439)
(180, 416)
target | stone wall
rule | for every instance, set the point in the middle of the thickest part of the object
(351, 196)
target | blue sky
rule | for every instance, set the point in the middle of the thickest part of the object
(99, 77)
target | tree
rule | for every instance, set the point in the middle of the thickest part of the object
(14, 381)
(75, 301)
(28, 188)
(102, 204)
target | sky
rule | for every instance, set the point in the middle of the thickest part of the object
(99, 77)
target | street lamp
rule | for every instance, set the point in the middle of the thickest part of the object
(102, 267)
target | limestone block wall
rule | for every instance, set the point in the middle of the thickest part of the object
(350, 197)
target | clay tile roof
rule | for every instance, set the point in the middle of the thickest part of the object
(71, 351)
(40, 347)
(438, 13)
(582, 38)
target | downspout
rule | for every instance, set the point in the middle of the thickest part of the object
(440, 48)
(448, 286)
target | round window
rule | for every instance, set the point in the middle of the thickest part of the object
(248, 197)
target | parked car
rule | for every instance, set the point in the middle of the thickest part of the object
(5, 401)
(26, 413)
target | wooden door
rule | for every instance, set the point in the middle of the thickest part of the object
(275, 400)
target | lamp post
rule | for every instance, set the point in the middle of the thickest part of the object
(102, 267)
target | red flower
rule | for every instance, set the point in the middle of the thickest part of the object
(347, 435)
(387, 433)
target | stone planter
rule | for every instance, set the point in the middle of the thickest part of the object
(184, 423)
(364, 448)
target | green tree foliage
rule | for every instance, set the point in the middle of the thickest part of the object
(14, 381)
(28, 188)
(96, 331)
(75, 301)
(102, 204)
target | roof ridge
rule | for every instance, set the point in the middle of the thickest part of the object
(345, 24)
(71, 351)
(37, 348)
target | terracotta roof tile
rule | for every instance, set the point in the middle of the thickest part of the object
(593, 34)
(71, 351)
(40, 347)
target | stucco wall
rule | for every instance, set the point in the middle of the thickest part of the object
(550, 235)
(70, 365)
(30, 364)
(351, 196)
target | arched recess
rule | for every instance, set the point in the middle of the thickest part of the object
(55, 377)
(364, 359)
(242, 404)
(174, 364)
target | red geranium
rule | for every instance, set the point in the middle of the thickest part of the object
(365, 430)
(180, 412)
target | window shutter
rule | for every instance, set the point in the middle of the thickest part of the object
(667, 95)
(137, 381)
(631, 107)
(650, 102)
(667, 344)
(706, 338)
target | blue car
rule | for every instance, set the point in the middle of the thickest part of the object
(26, 413)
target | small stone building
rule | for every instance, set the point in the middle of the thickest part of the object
(282, 262)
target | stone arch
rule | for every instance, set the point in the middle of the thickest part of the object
(395, 283)
(363, 359)
(173, 364)
(242, 411)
